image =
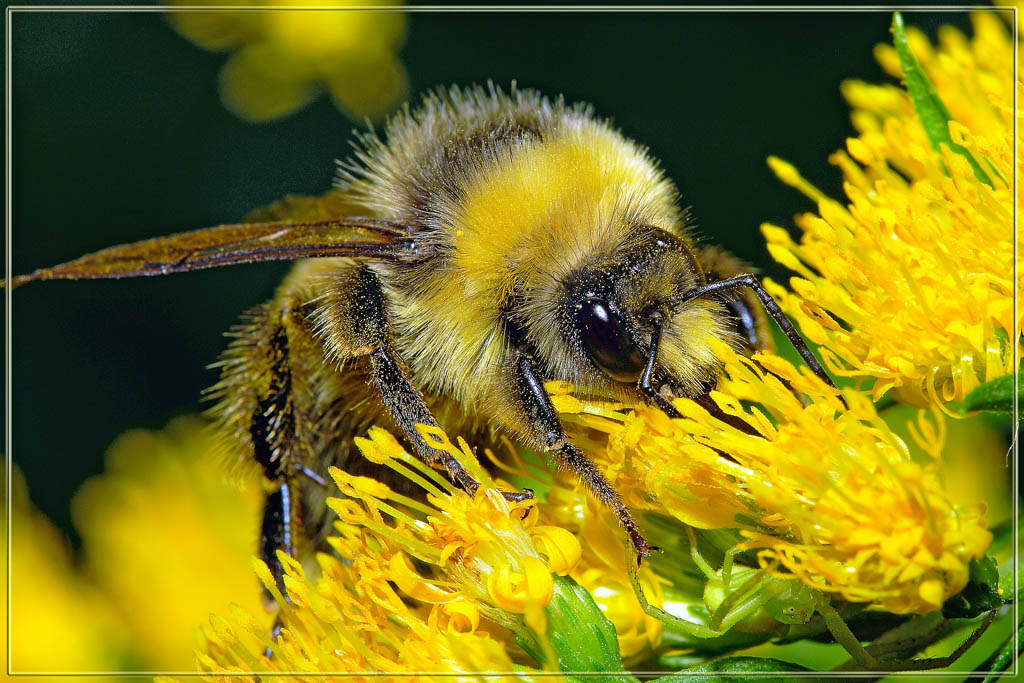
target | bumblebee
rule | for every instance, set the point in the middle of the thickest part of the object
(489, 242)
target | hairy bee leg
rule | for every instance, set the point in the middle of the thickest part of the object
(748, 319)
(354, 322)
(272, 429)
(407, 408)
(276, 534)
(548, 431)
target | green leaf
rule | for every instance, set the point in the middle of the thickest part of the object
(740, 669)
(996, 395)
(578, 634)
(1011, 573)
(1003, 659)
(929, 106)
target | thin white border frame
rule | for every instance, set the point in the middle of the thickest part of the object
(597, 9)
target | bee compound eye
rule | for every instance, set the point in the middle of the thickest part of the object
(607, 342)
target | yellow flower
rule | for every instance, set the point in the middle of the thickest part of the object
(601, 567)
(352, 620)
(417, 580)
(491, 549)
(283, 59)
(1006, 14)
(169, 539)
(824, 494)
(60, 622)
(973, 455)
(909, 286)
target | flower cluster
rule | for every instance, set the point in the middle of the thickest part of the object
(826, 494)
(418, 578)
(910, 286)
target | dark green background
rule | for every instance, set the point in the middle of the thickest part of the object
(119, 136)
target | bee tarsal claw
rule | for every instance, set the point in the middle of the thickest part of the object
(643, 549)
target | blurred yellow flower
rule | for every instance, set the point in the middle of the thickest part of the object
(910, 286)
(50, 599)
(169, 539)
(283, 58)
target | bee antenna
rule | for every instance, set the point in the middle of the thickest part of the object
(770, 305)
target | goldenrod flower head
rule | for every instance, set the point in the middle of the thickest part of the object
(909, 286)
(349, 621)
(824, 494)
(491, 550)
(353, 620)
(417, 579)
(282, 59)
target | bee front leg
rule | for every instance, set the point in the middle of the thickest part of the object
(546, 429)
(353, 322)
(407, 408)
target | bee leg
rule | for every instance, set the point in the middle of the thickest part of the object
(276, 534)
(407, 408)
(747, 317)
(547, 429)
(272, 429)
(776, 313)
(353, 322)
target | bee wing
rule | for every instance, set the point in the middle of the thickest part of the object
(227, 245)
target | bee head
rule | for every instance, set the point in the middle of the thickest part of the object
(618, 316)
